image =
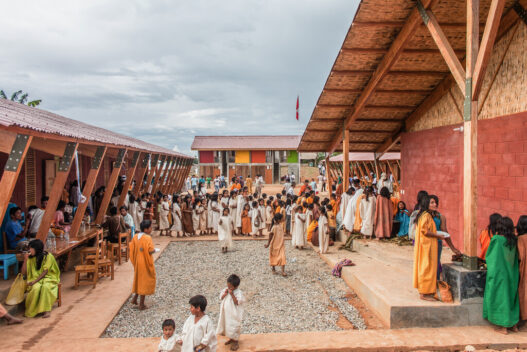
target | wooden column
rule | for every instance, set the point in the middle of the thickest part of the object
(129, 177)
(153, 167)
(163, 173)
(173, 183)
(140, 174)
(345, 160)
(184, 174)
(166, 186)
(56, 190)
(159, 173)
(112, 181)
(96, 163)
(470, 136)
(328, 175)
(181, 177)
(20, 145)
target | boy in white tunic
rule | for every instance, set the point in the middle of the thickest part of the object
(323, 231)
(198, 332)
(231, 312)
(168, 340)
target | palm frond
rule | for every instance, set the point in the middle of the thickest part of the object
(23, 98)
(15, 95)
(34, 103)
(2, 94)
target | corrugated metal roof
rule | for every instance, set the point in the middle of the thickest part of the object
(366, 157)
(245, 142)
(23, 116)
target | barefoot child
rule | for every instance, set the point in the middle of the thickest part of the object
(225, 227)
(256, 219)
(276, 244)
(269, 214)
(231, 312)
(141, 250)
(246, 220)
(168, 340)
(198, 331)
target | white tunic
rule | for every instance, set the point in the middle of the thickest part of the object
(323, 234)
(176, 218)
(344, 203)
(210, 215)
(163, 216)
(167, 345)
(215, 215)
(262, 213)
(240, 203)
(231, 315)
(254, 213)
(349, 219)
(367, 212)
(299, 238)
(202, 332)
(225, 232)
(232, 209)
(268, 214)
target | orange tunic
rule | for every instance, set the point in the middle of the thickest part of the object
(522, 287)
(246, 222)
(484, 240)
(358, 220)
(144, 270)
(425, 256)
(277, 247)
(310, 229)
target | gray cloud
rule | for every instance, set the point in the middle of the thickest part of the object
(164, 71)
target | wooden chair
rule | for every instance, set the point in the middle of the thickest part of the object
(59, 295)
(121, 249)
(86, 251)
(90, 265)
(6, 245)
(106, 263)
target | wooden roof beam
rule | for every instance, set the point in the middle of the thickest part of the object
(392, 120)
(396, 49)
(373, 107)
(388, 144)
(406, 51)
(385, 91)
(487, 43)
(391, 73)
(400, 24)
(444, 46)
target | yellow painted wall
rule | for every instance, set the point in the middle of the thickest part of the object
(242, 157)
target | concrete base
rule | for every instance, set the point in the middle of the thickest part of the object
(382, 278)
(467, 285)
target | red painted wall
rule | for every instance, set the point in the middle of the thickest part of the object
(206, 156)
(258, 156)
(432, 160)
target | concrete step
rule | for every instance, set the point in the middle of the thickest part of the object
(382, 278)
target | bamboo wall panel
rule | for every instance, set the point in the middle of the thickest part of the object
(388, 114)
(401, 82)
(443, 113)
(394, 99)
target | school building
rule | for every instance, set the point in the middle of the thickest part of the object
(41, 153)
(269, 156)
(443, 83)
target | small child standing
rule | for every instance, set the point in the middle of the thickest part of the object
(323, 231)
(332, 222)
(168, 340)
(225, 228)
(269, 214)
(231, 312)
(256, 219)
(246, 220)
(198, 331)
(276, 245)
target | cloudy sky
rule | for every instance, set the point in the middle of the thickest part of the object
(164, 71)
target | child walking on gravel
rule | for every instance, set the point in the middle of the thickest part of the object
(168, 340)
(276, 244)
(231, 312)
(198, 332)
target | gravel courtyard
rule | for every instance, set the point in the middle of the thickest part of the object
(309, 299)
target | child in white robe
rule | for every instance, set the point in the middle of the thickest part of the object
(198, 332)
(231, 312)
(269, 214)
(367, 212)
(298, 240)
(261, 208)
(256, 219)
(323, 231)
(195, 216)
(168, 340)
(225, 226)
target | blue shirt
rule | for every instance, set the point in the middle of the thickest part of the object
(12, 229)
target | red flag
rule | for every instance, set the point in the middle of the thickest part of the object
(297, 101)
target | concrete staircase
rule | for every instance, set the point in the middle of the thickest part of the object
(382, 278)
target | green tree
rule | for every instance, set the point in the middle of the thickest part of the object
(20, 97)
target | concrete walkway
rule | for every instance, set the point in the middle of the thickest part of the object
(85, 313)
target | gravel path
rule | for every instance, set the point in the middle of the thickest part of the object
(298, 302)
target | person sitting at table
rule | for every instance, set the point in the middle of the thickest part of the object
(36, 215)
(60, 226)
(115, 225)
(43, 277)
(15, 232)
(128, 219)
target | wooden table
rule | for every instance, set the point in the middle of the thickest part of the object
(64, 247)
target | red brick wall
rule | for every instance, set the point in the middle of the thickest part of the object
(432, 160)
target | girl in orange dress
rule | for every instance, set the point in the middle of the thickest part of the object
(246, 220)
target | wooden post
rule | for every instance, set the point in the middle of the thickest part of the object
(129, 177)
(186, 171)
(170, 178)
(179, 166)
(160, 173)
(164, 177)
(328, 175)
(140, 175)
(470, 135)
(112, 181)
(56, 190)
(19, 148)
(153, 167)
(345, 159)
(88, 188)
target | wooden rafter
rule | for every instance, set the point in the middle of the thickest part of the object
(387, 62)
